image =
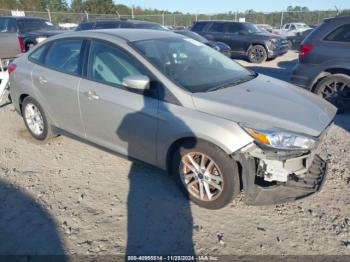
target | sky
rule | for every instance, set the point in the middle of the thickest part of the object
(215, 6)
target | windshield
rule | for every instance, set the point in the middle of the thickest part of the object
(191, 64)
(193, 35)
(28, 25)
(251, 28)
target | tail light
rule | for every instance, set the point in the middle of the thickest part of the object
(305, 49)
(22, 48)
(12, 67)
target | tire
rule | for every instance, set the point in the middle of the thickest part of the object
(257, 54)
(335, 89)
(220, 165)
(36, 120)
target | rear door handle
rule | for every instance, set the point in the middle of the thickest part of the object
(42, 80)
(91, 95)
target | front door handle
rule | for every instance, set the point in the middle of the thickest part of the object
(42, 80)
(91, 95)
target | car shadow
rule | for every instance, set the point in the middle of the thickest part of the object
(283, 71)
(26, 228)
(159, 215)
(343, 121)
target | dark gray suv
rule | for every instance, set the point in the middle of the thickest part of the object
(244, 39)
(324, 62)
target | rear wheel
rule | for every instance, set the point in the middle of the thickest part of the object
(35, 120)
(335, 89)
(208, 176)
(257, 54)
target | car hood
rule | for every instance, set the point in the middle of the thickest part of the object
(265, 103)
(267, 35)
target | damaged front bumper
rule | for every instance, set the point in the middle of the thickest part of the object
(274, 177)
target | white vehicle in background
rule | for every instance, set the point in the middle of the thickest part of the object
(4, 79)
(291, 29)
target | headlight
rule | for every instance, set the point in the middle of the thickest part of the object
(280, 139)
(40, 39)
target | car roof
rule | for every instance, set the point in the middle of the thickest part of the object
(23, 17)
(132, 21)
(339, 17)
(127, 34)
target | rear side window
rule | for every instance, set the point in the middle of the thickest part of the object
(217, 27)
(234, 28)
(38, 55)
(110, 64)
(64, 55)
(28, 25)
(341, 34)
(107, 25)
(199, 26)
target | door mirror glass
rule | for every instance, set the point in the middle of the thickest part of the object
(139, 82)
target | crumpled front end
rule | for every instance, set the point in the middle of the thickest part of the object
(276, 176)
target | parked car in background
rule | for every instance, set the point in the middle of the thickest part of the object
(244, 39)
(324, 62)
(295, 40)
(291, 29)
(265, 27)
(119, 23)
(19, 34)
(219, 46)
(169, 101)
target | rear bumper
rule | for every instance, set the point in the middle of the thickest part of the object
(294, 188)
(304, 75)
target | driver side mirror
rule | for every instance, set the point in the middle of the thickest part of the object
(243, 32)
(139, 82)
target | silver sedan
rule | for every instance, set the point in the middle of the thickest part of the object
(175, 103)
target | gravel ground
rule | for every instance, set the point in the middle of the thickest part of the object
(68, 197)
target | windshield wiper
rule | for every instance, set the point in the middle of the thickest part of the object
(233, 83)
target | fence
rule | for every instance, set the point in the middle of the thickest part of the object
(275, 19)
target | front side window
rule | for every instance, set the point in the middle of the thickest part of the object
(199, 26)
(341, 34)
(64, 55)
(217, 27)
(110, 64)
(234, 28)
(192, 65)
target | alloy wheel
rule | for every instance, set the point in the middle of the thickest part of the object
(34, 119)
(201, 176)
(336, 92)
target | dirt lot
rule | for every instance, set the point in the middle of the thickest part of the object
(69, 197)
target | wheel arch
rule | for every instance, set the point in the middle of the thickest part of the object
(328, 72)
(20, 101)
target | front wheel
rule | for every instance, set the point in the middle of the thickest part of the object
(335, 89)
(257, 54)
(208, 176)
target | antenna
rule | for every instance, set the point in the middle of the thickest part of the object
(337, 9)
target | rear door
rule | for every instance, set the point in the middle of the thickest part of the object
(234, 39)
(117, 117)
(216, 32)
(57, 80)
(9, 47)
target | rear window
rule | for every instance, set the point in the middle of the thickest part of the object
(341, 34)
(217, 27)
(28, 25)
(199, 26)
(8, 25)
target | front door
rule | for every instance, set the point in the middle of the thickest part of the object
(115, 116)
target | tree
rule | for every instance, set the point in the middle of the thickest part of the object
(57, 5)
(99, 6)
(77, 6)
